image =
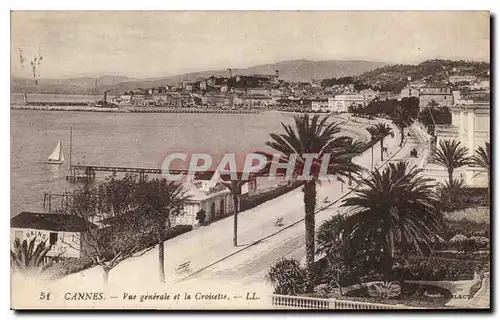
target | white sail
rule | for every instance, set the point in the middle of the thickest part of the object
(57, 154)
(61, 154)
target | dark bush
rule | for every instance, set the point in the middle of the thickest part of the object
(200, 216)
(466, 227)
(483, 255)
(169, 234)
(258, 199)
(287, 277)
(436, 269)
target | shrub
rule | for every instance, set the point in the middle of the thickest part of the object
(384, 290)
(200, 216)
(287, 277)
(437, 269)
(466, 227)
(474, 289)
(68, 266)
(483, 255)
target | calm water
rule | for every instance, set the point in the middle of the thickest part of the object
(134, 140)
(47, 97)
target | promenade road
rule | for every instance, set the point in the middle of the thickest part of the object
(207, 248)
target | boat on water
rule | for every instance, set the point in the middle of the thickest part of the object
(57, 156)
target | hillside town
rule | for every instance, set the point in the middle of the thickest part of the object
(269, 91)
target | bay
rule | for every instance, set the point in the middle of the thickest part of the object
(120, 139)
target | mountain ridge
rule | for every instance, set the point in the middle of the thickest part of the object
(290, 70)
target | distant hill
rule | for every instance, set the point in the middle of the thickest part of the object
(434, 70)
(80, 85)
(293, 70)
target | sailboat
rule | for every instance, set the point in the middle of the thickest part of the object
(57, 156)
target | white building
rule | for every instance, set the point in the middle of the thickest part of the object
(369, 95)
(480, 85)
(468, 79)
(211, 196)
(471, 126)
(341, 103)
(62, 232)
(319, 105)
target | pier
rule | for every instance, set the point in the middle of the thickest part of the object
(87, 173)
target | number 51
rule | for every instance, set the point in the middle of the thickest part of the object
(44, 295)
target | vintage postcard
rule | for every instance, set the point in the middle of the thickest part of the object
(248, 160)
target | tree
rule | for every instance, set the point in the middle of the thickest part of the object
(452, 195)
(234, 186)
(123, 233)
(374, 139)
(158, 201)
(379, 132)
(313, 135)
(411, 106)
(30, 258)
(482, 159)
(331, 243)
(396, 211)
(451, 155)
(402, 119)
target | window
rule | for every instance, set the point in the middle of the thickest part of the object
(52, 238)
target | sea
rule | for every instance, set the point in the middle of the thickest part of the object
(119, 139)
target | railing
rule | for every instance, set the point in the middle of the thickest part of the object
(297, 302)
(285, 302)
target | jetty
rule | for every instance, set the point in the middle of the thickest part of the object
(87, 173)
(51, 106)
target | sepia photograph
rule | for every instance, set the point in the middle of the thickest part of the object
(250, 160)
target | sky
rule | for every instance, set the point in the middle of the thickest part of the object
(154, 43)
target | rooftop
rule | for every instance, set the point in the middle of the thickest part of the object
(50, 221)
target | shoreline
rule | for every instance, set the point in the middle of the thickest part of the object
(133, 109)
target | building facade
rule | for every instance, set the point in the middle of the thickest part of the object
(319, 105)
(441, 95)
(408, 92)
(471, 126)
(341, 103)
(212, 197)
(62, 232)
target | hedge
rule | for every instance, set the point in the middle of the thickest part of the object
(258, 199)
(436, 269)
(68, 266)
(169, 234)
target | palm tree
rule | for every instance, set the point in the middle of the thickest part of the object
(396, 212)
(451, 194)
(451, 155)
(158, 201)
(235, 187)
(30, 258)
(374, 138)
(379, 132)
(402, 119)
(482, 159)
(313, 135)
(354, 147)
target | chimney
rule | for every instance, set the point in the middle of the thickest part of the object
(230, 73)
(277, 73)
